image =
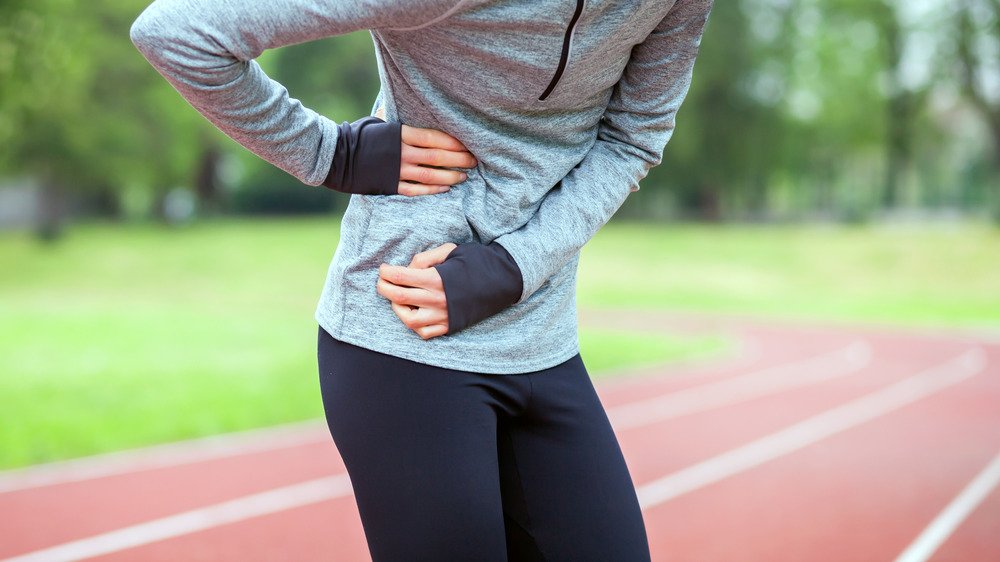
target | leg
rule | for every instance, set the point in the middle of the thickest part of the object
(419, 443)
(568, 494)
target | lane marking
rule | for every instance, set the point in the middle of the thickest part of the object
(169, 454)
(755, 384)
(954, 514)
(812, 429)
(659, 491)
(246, 507)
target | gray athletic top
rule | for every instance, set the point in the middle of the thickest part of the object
(566, 106)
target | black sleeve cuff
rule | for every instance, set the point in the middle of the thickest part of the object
(367, 157)
(479, 281)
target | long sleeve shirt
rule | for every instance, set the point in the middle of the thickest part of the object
(566, 106)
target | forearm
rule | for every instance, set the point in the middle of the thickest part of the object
(637, 125)
(206, 49)
(481, 280)
(571, 214)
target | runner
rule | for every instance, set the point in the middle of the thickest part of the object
(442, 280)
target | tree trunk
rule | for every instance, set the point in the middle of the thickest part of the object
(206, 181)
(898, 147)
(899, 109)
(50, 210)
(709, 203)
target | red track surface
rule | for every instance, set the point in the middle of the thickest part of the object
(865, 490)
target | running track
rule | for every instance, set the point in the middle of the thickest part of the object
(808, 443)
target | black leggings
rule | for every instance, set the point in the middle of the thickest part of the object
(453, 465)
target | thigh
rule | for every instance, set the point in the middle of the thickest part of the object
(567, 491)
(419, 445)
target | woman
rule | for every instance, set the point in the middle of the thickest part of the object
(448, 354)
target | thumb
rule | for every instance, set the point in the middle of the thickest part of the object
(433, 256)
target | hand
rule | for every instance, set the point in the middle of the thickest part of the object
(425, 155)
(416, 292)
(425, 152)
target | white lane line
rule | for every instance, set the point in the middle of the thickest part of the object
(954, 514)
(745, 387)
(812, 429)
(717, 468)
(165, 455)
(246, 507)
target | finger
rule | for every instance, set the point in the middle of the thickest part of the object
(416, 318)
(430, 138)
(413, 189)
(433, 256)
(428, 315)
(406, 314)
(428, 332)
(438, 157)
(409, 295)
(430, 176)
(428, 278)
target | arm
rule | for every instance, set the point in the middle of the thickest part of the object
(206, 50)
(632, 135)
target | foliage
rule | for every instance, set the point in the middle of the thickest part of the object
(843, 109)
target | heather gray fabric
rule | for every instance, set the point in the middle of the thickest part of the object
(551, 171)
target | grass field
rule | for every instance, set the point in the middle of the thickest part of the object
(124, 336)
(912, 275)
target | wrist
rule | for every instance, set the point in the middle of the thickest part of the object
(479, 281)
(367, 157)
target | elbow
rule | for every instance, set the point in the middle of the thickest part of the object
(149, 33)
(184, 48)
(649, 152)
(139, 34)
(641, 136)
(144, 31)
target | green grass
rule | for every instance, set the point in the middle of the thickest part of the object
(119, 337)
(943, 276)
(124, 336)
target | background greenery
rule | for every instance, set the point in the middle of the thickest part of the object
(849, 110)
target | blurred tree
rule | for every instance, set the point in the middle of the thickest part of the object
(977, 40)
(338, 78)
(719, 140)
(798, 108)
(900, 103)
(81, 111)
(39, 85)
